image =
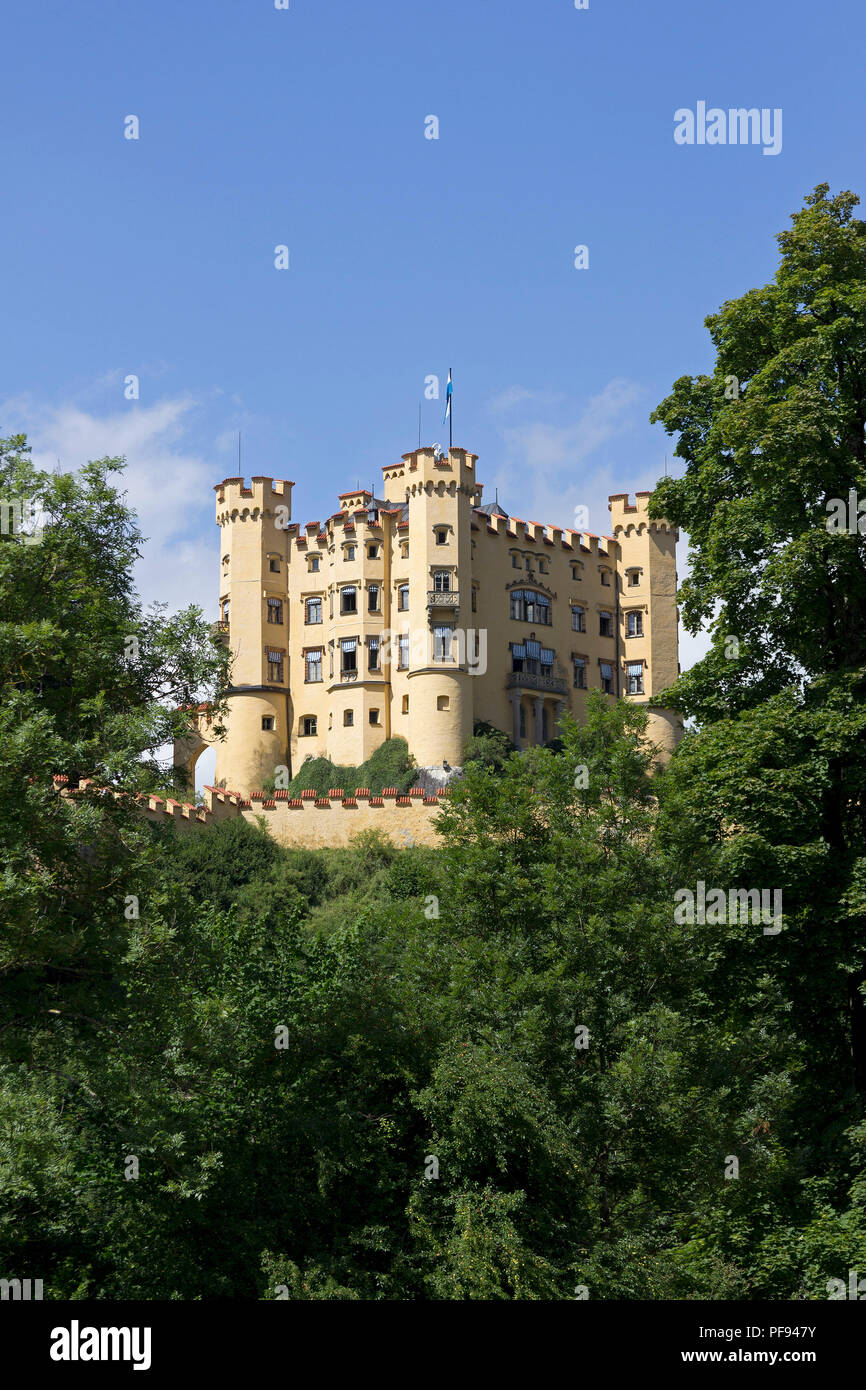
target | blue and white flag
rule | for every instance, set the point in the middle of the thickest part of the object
(449, 388)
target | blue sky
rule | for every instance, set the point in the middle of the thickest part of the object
(306, 128)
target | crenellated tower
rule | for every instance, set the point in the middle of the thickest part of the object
(647, 604)
(254, 617)
(440, 490)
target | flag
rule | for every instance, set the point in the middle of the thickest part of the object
(448, 390)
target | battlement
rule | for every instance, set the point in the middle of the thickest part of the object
(424, 467)
(354, 501)
(514, 528)
(332, 821)
(183, 814)
(632, 518)
(235, 499)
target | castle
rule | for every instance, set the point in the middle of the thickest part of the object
(418, 613)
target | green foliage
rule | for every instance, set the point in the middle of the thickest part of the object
(389, 766)
(488, 747)
(765, 460)
(497, 1069)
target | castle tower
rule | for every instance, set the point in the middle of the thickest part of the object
(646, 593)
(254, 616)
(440, 490)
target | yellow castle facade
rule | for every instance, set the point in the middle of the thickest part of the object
(422, 611)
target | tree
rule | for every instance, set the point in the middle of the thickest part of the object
(91, 687)
(586, 1090)
(773, 443)
(488, 747)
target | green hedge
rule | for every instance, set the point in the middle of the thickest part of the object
(390, 766)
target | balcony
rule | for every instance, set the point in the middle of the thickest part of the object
(442, 598)
(524, 680)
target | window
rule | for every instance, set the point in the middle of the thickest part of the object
(606, 677)
(313, 610)
(442, 643)
(267, 721)
(441, 581)
(474, 600)
(538, 609)
(515, 562)
(578, 620)
(273, 564)
(403, 598)
(373, 598)
(374, 716)
(348, 718)
(348, 599)
(313, 563)
(275, 667)
(372, 552)
(522, 720)
(225, 559)
(443, 702)
(403, 652)
(405, 705)
(529, 607)
(577, 571)
(349, 552)
(225, 610)
(309, 725)
(633, 578)
(373, 654)
(542, 567)
(313, 666)
(605, 625)
(634, 624)
(349, 658)
(605, 576)
(635, 678)
(531, 658)
(275, 611)
(441, 533)
(579, 673)
(404, 549)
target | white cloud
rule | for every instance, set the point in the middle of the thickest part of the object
(550, 467)
(547, 467)
(167, 482)
(516, 395)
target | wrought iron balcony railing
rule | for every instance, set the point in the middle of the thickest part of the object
(525, 680)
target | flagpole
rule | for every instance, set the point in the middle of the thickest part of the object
(450, 416)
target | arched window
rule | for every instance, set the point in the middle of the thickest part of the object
(529, 607)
